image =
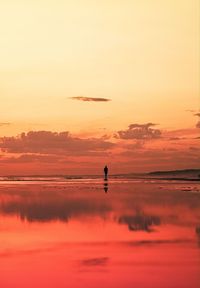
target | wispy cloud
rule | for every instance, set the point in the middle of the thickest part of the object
(4, 124)
(190, 110)
(26, 158)
(90, 99)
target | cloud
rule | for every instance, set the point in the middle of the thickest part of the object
(4, 124)
(139, 131)
(47, 142)
(90, 99)
(190, 110)
(180, 133)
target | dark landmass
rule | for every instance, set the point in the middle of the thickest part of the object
(179, 175)
(175, 178)
(188, 171)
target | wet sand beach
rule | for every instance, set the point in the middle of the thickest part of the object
(95, 233)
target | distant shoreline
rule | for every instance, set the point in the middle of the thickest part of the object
(170, 175)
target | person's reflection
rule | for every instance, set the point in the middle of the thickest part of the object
(105, 187)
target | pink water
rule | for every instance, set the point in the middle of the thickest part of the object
(95, 234)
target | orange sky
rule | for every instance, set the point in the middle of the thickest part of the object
(141, 55)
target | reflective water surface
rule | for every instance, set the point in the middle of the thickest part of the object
(99, 234)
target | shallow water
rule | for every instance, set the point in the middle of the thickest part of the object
(100, 234)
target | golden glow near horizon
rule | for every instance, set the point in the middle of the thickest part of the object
(143, 55)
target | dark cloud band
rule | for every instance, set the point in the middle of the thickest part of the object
(90, 99)
(48, 142)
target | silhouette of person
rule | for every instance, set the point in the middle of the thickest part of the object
(106, 173)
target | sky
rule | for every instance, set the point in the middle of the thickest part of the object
(86, 83)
